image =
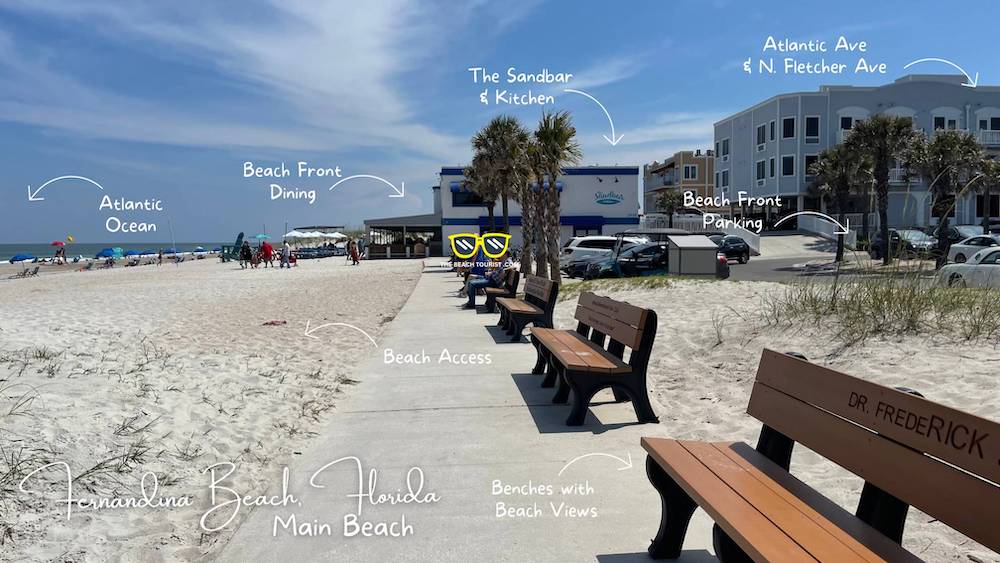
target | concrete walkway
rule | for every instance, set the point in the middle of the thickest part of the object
(470, 430)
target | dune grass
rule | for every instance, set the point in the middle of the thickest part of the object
(573, 290)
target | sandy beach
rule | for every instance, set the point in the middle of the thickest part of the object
(705, 357)
(167, 370)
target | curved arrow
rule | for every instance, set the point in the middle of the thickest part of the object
(613, 140)
(309, 331)
(399, 191)
(971, 81)
(842, 229)
(626, 464)
(31, 195)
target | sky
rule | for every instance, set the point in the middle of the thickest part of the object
(167, 100)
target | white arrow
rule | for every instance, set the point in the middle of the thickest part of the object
(32, 194)
(399, 190)
(971, 81)
(613, 140)
(309, 331)
(842, 229)
(626, 464)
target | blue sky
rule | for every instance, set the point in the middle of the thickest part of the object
(167, 100)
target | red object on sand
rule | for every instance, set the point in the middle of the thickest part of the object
(58, 243)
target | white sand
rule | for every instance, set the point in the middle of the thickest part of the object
(180, 351)
(700, 387)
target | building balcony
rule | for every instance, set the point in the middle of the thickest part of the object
(989, 138)
(897, 176)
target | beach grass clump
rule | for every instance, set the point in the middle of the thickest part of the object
(573, 291)
(866, 306)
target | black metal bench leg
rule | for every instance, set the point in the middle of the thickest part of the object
(640, 402)
(675, 515)
(620, 396)
(551, 372)
(515, 332)
(582, 394)
(562, 393)
(540, 362)
(726, 550)
(503, 317)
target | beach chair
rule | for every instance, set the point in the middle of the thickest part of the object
(232, 252)
(89, 266)
(33, 272)
(22, 274)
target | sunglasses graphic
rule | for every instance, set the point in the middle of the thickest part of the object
(465, 245)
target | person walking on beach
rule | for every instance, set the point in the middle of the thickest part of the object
(353, 251)
(246, 255)
(267, 254)
(286, 252)
(159, 258)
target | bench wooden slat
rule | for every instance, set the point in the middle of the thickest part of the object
(617, 330)
(791, 515)
(624, 312)
(566, 355)
(960, 438)
(538, 287)
(517, 305)
(597, 358)
(814, 505)
(738, 518)
(961, 500)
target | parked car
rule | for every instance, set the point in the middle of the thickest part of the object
(958, 233)
(733, 247)
(982, 269)
(577, 267)
(638, 260)
(904, 243)
(578, 247)
(960, 251)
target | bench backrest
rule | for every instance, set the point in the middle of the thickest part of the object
(511, 278)
(541, 292)
(627, 326)
(941, 460)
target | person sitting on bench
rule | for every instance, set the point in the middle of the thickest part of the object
(492, 279)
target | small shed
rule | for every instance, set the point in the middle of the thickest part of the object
(691, 255)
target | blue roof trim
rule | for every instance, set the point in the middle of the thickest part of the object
(582, 171)
(567, 220)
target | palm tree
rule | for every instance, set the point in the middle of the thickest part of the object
(669, 201)
(990, 171)
(839, 171)
(883, 139)
(503, 143)
(556, 138)
(533, 214)
(949, 160)
(477, 179)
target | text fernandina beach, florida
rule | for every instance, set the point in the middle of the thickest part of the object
(226, 503)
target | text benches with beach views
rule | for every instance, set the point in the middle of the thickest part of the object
(910, 451)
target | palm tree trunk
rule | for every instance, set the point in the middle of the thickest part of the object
(489, 210)
(552, 217)
(866, 213)
(541, 236)
(881, 172)
(842, 212)
(506, 213)
(527, 232)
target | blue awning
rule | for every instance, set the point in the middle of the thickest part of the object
(545, 185)
(456, 186)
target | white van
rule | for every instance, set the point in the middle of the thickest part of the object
(578, 247)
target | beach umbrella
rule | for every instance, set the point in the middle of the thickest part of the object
(199, 249)
(132, 253)
(217, 249)
(261, 236)
(105, 253)
(148, 252)
(118, 251)
(170, 250)
(336, 234)
(21, 257)
(294, 234)
(57, 243)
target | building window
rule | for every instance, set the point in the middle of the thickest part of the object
(586, 231)
(725, 150)
(788, 128)
(995, 124)
(725, 178)
(984, 124)
(717, 179)
(846, 123)
(465, 198)
(717, 153)
(788, 165)
(941, 123)
(771, 128)
(812, 129)
(994, 205)
(761, 136)
(760, 170)
(690, 172)
(810, 160)
(770, 167)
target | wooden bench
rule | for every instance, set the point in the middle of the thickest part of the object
(508, 288)
(591, 358)
(536, 307)
(908, 450)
